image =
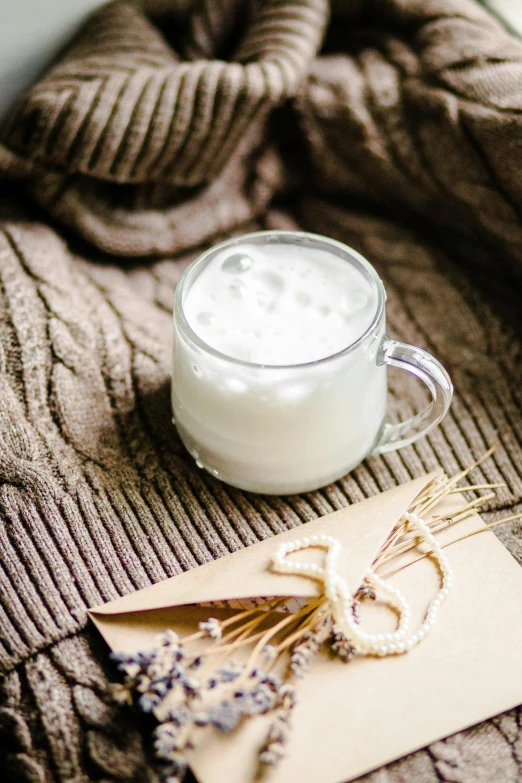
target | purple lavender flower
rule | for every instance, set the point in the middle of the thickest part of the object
(341, 645)
(175, 770)
(273, 681)
(212, 628)
(191, 685)
(272, 754)
(160, 687)
(149, 701)
(230, 672)
(287, 697)
(166, 740)
(366, 590)
(169, 638)
(179, 715)
(262, 699)
(225, 716)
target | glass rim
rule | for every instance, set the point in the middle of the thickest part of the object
(182, 323)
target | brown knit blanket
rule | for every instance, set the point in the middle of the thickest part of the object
(395, 126)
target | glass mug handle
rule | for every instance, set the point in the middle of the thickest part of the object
(424, 366)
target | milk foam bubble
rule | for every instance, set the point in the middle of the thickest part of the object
(279, 304)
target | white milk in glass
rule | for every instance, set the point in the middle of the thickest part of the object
(276, 384)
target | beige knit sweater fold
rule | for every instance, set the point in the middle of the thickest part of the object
(393, 125)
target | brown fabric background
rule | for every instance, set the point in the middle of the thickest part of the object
(396, 127)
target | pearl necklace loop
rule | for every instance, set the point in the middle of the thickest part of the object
(327, 574)
(342, 600)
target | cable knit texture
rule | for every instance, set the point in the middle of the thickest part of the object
(393, 125)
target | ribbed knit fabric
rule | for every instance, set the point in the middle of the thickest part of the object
(402, 137)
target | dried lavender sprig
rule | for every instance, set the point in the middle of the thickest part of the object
(341, 646)
(273, 748)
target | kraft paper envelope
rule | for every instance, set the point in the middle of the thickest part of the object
(352, 718)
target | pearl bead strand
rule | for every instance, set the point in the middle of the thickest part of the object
(341, 599)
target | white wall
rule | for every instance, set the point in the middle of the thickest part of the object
(31, 33)
(508, 10)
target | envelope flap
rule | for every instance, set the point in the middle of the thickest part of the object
(361, 529)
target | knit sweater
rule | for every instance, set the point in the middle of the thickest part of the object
(394, 127)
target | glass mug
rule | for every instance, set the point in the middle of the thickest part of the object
(286, 429)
